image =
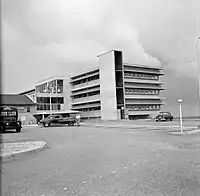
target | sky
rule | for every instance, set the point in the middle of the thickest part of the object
(41, 38)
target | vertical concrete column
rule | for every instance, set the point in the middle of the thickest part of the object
(67, 93)
(107, 86)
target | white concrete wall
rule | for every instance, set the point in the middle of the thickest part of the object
(108, 86)
(67, 93)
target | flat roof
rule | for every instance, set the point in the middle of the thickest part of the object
(105, 52)
(85, 72)
(108, 52)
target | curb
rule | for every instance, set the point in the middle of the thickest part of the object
(33, 125)
(125, 126)
(185, 132)
(6, 158)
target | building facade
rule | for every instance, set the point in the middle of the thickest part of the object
(85, 93)
(117, 90)
(49, 94)
(113, 90)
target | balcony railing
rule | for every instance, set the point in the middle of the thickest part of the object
(85, 99)
(131, 80)
(86, 84)
(89, 114)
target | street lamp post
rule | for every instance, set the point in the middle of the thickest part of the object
(198, 68)
(181, 120)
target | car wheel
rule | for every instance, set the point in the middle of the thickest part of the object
(18, 130)
(46, 124)
(71, 124)
(159, 119)
(2, 129)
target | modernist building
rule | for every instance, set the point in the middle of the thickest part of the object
(113, 90)
(117, 90)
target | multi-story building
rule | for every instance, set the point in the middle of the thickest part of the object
(113, 90)
(141, 90)
(49, 94)
(85, 93)
(117, 90)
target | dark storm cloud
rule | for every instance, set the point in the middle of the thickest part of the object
(42, 38)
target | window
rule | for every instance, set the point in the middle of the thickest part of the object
(28, 109)
(21, 109)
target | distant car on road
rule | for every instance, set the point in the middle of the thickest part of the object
(57, 119)
(164, 116)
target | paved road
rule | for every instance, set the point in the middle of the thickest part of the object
(99, 161)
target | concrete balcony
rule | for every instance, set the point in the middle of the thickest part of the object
(147, 112)
(89, 105)
(143, 102)
(86, 76)
(90, 114)
(95, 113)
(97, 88)
(143, 96)
(132, 80)
(78, 100)
(86, 84)
(86, 99)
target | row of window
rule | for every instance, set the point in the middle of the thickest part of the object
(47, 107)
(12, 113)
(24, 109)
(141, 91)
(143, 107)
(47, 99)
(90, 109)
(55, 86)
(87, 94)
(141, 76)
(86, 80)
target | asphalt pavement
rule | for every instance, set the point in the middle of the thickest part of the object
(101, 161)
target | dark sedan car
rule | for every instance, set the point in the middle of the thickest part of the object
(57, 119)
(164, 116)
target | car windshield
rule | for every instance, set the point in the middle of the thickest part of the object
(164, 113)
(8, 118)
(50, 116)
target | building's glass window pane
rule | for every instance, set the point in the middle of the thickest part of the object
(59, 86)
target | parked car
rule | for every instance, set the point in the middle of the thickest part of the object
(164, 116)
(57, 119)
(9, 119)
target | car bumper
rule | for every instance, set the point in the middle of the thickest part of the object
(12, 126)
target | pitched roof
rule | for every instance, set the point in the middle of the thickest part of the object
(13, 99)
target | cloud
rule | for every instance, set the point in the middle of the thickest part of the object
(42, 38)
